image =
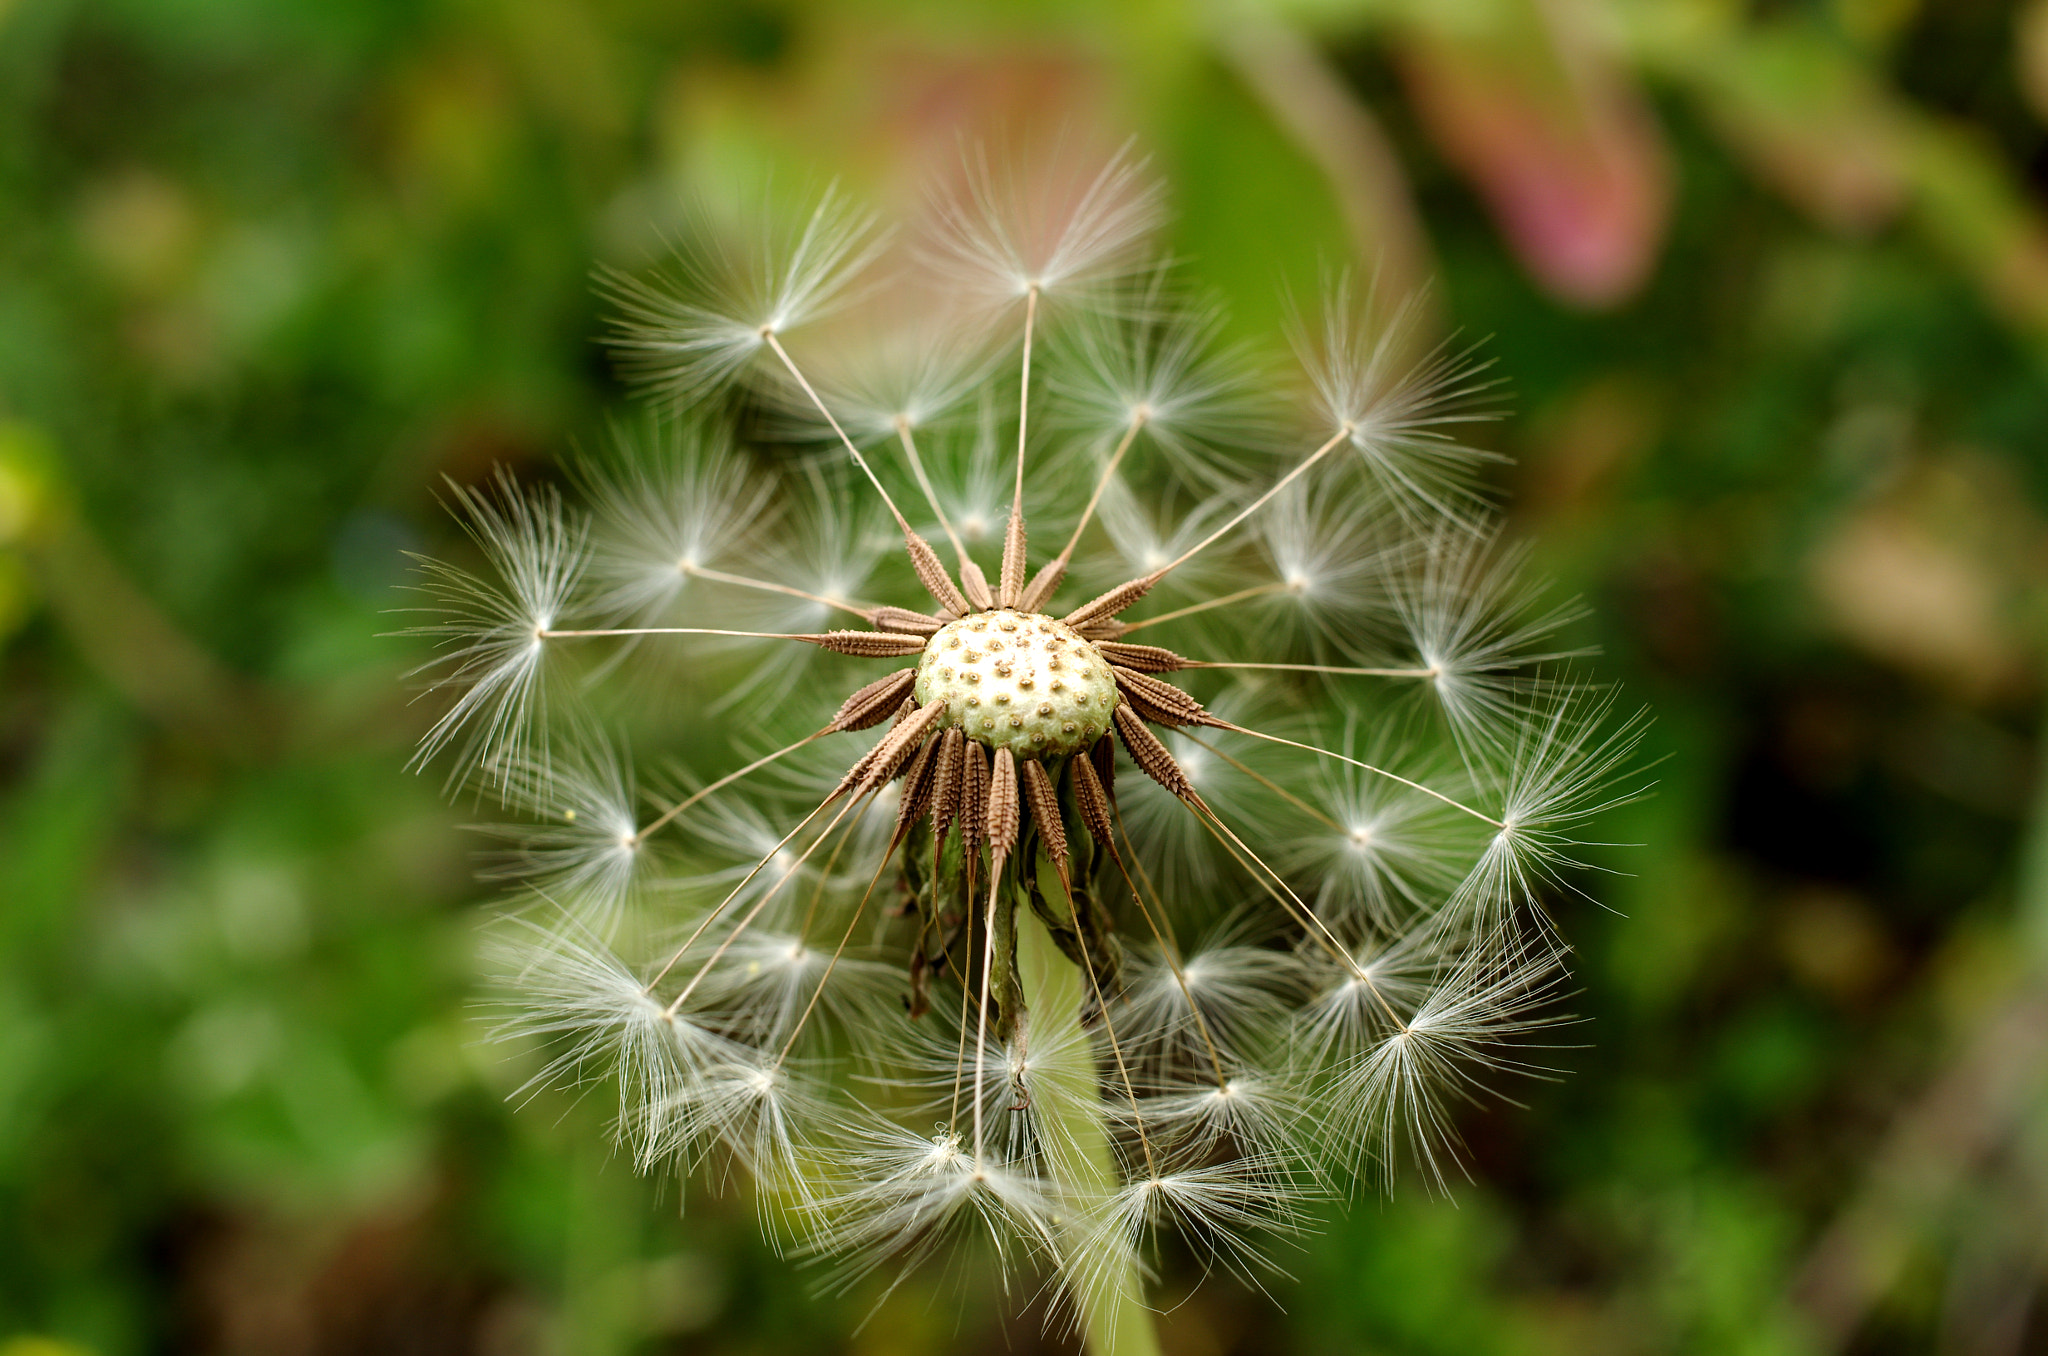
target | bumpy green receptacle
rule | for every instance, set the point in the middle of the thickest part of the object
(1018, 680)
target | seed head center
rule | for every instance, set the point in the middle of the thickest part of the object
(1020, 681)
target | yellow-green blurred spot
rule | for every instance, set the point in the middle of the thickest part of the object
(30, 1345)
(25, 458)
(25, 494)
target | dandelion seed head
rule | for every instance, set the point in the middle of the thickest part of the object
(1086, 813)
(1020, 681)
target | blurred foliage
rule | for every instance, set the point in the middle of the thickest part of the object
(1769, 282)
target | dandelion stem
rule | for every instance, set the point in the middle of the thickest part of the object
(839, 950)
(988, 965)
(1249, 509)
(758, 868)
(1312, 668)
(1049, 576)
(746, 920)
(1012, 587)
(1368, 767)
(924, 482)
(1256, 591)
(1302, 912)
(727, 780)
(1267, 878)
(767, 586)
(1167, 948)
(1024, 395)
(960, 1051)
(775, 343)
(1101, 1005)
(1313, 811)
(668, 631)
(1114, 1319)
(803, 932)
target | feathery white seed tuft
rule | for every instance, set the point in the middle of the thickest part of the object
(917, 1023)
(498, 630)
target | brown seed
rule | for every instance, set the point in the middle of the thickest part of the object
(932, 574)
(1107, 605)
(903, 619)
(917, 787)
(1041, 588)
(973, 796)
(1045, 812)
(1151, 756)
(1013, 561)
(1159, 701)
(868, 644)
(872, 704)
(1003, 810)
(1103, 755)
(1143, 658)
(946, 778)
(1092, 799)
(975, 585)
(886, 759)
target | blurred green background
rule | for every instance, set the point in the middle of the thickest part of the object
(1769, 283)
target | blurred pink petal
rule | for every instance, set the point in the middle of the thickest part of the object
(1556, 140)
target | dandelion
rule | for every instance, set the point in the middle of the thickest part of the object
(499, 628)
(1071, 901)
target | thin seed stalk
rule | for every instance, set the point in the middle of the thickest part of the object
(1114, 1319)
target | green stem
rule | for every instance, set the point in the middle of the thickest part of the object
(2033, 874)
(1114, 1319)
